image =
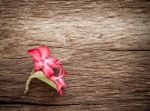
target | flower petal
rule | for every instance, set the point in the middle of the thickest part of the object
(59, 85)
(35, 53)
(37, 65)
(44, 51)
(59, 82)
(62, 71)
(52, 62)
(62, 82)
(65, 73)
(61, 92)
(48, 71)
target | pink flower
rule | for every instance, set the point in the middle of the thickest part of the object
(59, 80)
(43, 61)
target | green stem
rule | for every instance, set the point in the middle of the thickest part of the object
(28, 82)
(27, 85)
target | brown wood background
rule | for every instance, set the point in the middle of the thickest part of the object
(104, 46)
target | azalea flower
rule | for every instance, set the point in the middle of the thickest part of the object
(43, 61)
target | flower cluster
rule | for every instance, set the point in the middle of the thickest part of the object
(43, 61)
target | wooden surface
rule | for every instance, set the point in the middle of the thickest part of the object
(104, 46)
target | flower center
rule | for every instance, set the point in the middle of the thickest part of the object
(42, 61)
(56, 71)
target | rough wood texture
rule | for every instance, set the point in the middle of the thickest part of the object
(104, 45)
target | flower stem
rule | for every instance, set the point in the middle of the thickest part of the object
(27, 85)
(28, 82)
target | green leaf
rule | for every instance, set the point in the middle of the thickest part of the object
(39, 75)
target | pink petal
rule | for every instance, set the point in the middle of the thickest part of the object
(65, 72)
(61, 92)
(59, 85)
(37, 65)
(59, 82)
(35, 54)
(52, 62)
(44, 51)
(62, 72)
(48, 71)
(62, 82)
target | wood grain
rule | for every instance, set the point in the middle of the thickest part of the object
(104, 46)
(16, 107)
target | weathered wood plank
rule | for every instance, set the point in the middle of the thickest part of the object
(104, 45)
(95, 77)
(17, 107)
(106, 25)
